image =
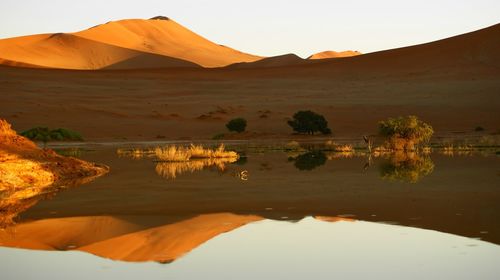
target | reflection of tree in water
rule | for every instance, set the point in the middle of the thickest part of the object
(309, 160)
(406, 167)
(171, 170)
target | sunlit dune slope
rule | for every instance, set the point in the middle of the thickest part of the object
(333, 54)
(125, 44)
(165, 37)
(122, 239)
(68, 51)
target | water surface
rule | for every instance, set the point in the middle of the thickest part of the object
(294, 215)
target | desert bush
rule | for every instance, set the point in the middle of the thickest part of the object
(238, 125)
(309, 122)
(44, 134)
(403, 133)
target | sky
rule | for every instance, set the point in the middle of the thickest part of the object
(268, 27)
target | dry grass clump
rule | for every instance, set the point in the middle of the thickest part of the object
(135, 153)
(346, 148)
(198, 151)
(174, 153)
(171, 170)
(461, 150)
(382, 151)
(337, 155)
(292, 146)
(489, 140)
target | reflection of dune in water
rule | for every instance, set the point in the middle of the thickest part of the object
(333, 219)
(123, 239)
(171, 170)
(129, 238)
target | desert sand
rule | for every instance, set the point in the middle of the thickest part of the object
(441, 82)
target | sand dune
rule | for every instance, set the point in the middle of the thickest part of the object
(125, 44)
(165, 37)
(68, 51)
(124, 239)
(275, 61)
(333, 54)
(134, 239)
(478, 49)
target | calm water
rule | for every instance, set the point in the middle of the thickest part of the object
(269, 215)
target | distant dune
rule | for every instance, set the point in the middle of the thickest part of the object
(333, 54)
(124, 44)
(275, 61)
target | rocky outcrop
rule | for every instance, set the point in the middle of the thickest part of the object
(27, 171)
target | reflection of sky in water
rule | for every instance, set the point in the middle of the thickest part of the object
(309, 249)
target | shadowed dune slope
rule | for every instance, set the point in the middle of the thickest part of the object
(478, 49)
(275, 61)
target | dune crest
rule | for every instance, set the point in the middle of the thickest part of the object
(333, 54)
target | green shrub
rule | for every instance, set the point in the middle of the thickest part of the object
(309, 122)
(238, 125)
(403, 133)
(44, 134)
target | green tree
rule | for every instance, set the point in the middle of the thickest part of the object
(44, 134)
(309, 122)
(403, 133)
(239, 125)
